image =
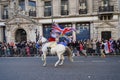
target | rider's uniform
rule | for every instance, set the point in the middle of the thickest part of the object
(56, 39)
(52, 37)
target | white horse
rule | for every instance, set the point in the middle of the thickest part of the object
(59, 49)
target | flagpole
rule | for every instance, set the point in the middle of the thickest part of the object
(52, 11)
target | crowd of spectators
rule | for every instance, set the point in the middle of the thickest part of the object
(86, 47)
(95, 47)
(20, 49)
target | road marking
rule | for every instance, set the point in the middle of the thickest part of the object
(78, 61)
(98, 61)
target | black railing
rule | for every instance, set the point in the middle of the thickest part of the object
(106, 8)
(5, 17)
(32, 13)
(83, 11)
(64, 12)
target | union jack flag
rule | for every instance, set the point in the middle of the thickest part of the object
(67, 30)
(57, 28)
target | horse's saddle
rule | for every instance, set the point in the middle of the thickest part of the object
(52, 44)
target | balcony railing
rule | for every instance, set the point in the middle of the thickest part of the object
(106, 8)
(32, 13)
(64, 12)
(83, 11)
(5, 17)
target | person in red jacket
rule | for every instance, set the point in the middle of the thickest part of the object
(52, 36)
(82, 50)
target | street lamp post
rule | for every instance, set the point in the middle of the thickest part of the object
(37, 38)
(52, 11)
(36, 32)
(4, 36)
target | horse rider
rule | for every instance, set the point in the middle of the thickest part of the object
(54, 38)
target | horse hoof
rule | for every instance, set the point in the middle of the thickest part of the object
(44, 65)
(72, 60)
(55, 65)
(60, 64)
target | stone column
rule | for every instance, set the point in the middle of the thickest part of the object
(33, 35)
(90, 6)
(1, 35)
(72, 7)
(118, 27)
(40, 29)
(8, 37)
(74, 34)
(27, 6)
(92, 30)
(11, 10)
(119, 5)
(1, 12)
(38, 8)
(119, 19)
(77, 7)
(56, 7)
(41, 8)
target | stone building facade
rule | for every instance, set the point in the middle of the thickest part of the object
(24, 20)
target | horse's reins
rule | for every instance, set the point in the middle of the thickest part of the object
(44, 42)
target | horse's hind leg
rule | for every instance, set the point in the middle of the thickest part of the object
(62, 60)
(59, 58)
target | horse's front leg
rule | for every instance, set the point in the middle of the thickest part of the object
(44, 59)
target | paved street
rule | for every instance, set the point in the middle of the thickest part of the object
(30, 68)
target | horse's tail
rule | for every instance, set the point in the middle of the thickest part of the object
(69, 53)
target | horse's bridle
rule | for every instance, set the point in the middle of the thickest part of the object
(43, 42)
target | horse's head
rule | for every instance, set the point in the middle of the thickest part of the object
(42, 40)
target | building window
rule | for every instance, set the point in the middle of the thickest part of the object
(46, 30)
(22, 4)
(105, 2)
(32, 8)
(105, 6)
(5, 12)
(82, 7)
(47, 8)
(82, 31)
(106, 16)
(64, 7)
(105, 35)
